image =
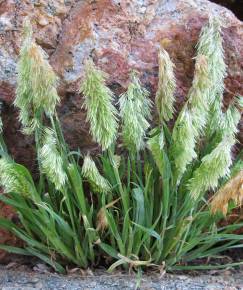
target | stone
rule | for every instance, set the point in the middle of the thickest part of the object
(119, 36)
(6, 237)
(233, 6)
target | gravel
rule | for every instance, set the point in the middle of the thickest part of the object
(15, 279)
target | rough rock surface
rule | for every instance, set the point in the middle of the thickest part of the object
(233, 5)
(119, 36)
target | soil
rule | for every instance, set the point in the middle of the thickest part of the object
(18, 275)
(17, 279)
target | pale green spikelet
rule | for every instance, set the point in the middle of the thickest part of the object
(156, 144)
(101, 113)
(230, 120)
(228, 123)
(214, 166)
(192, 121)
(97, 182)
(117, 160)
(197, 96)
(36, 83)
(211, 45)
(13, 178)
(166, 87)
(51, 160)
(161, 139)
(183, 142)
(215, 117)
(135, 112)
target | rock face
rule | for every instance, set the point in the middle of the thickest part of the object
(119, 36)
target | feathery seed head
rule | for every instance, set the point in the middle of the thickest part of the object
(198, 95)
(206, 90)
(13, 180)
(135, 107)
(211, 45)
(166, 87)
(101, 113)
(230, 120)
(36, 83)
(51, 160)
(156, 144)
(97, 182)
(183, 142)
(200, 83)
(215, 165)
(226, 123)
(191, 120)
(117, 160)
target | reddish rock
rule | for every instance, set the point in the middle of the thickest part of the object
(125, 35)
(6, 237)
(119, 36)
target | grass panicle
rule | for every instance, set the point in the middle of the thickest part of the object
(51, 159)
(97, 182)
(165, 96)
(101, 113)
(192, 119)
(214, 166)
(211, 46)
(36, 90)
(135, 107)
(230, 120)
(183, 142)
(15, 178)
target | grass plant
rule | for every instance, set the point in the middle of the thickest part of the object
(144, 201)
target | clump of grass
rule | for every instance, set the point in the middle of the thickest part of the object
(146, 207)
